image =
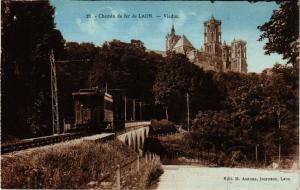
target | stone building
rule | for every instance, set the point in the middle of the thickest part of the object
(216, 55)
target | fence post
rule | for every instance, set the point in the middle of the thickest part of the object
(138, 163)
(118, 177)
(146, 157)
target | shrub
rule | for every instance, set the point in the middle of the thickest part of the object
(161, 127)
(154, 172)
(67, 165)
(238, 158)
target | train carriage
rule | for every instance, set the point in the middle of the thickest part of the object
(93, 110)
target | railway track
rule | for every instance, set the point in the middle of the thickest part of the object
(40, 141)
(47, 140)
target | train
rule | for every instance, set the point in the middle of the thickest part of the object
(95, 111)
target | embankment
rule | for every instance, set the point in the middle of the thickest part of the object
(72, 165)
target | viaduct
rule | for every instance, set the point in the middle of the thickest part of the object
(134, 135)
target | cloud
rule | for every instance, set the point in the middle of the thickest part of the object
(137, 27)
(90, 26)
(94, 25)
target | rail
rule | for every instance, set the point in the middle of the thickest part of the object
(46, 140)
(40, 141)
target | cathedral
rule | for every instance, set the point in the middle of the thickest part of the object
(216, 56)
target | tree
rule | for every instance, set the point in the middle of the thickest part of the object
(206, 93)
(215, 129)
(172, 82)
(126, 67)
(73, 70)
(282, 31)
(80, 51)
(258, 104)
(28, 35)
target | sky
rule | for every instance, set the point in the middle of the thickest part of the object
(82, 21)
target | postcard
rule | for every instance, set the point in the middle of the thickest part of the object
(160, 95)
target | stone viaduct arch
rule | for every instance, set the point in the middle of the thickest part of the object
(135, 138)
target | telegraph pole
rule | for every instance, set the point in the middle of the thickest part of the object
(54, 98)
(133, 109)
(256, 152)
(55, 113)
(279, 147)
(125, 109)
(141, 118)
(188, 111)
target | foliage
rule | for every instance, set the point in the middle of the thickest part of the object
(125, 66)
(215, 129)
(259, 110)
(161, 127)
(205, 93)
(71, 76)
(154, 172)
(82, 51)
(63, 166)
(173, 79)
(282, 31)
(28, 35)
(177, 77)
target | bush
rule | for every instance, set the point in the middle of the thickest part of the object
(67, 165)
(155, 171)
(238, 158)
(162, 127)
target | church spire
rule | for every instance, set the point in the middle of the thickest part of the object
(173, 29)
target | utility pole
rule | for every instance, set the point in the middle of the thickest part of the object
(141, 118)
(280, 117)
(256, 152)
(125, 109)
(55, 114)
(279, 147)
(279, 152)
(188, 112)
(166, 111)
(133, 109)
(54, 98)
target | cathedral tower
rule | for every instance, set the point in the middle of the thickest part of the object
(171, 39)
(238, 56)
(226, 57)
(212, 37)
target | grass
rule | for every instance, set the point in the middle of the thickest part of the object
(62, 166)
(148, 175)
(154, 172)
